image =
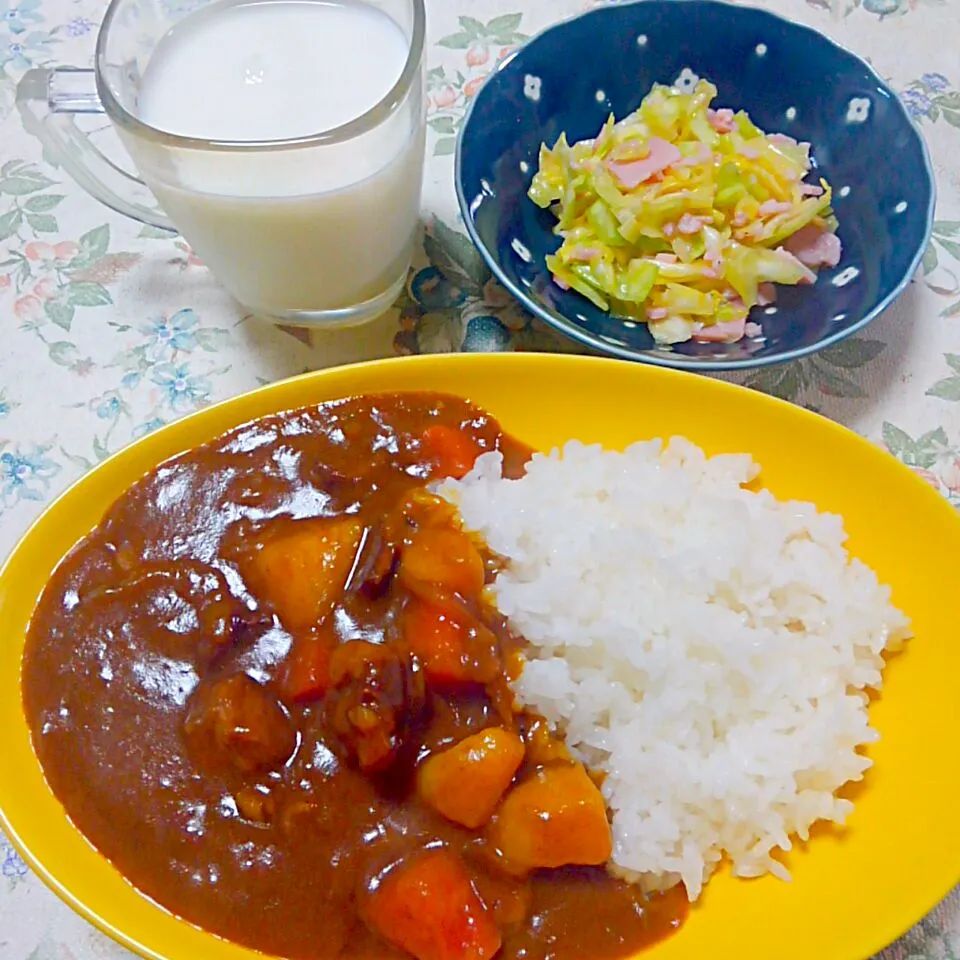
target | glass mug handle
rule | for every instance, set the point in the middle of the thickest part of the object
(49, 99)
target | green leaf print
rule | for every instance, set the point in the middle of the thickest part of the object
(836, 384)
(60, 313)
(155, 233)
(446, 147)
(43, 203)
(444, 125)
(24, 183)
(946, 234)
(456, 41)
(62, 352)
(946, 389)
(83, 294)
(506, 23)
(951, 246)
(502, 30)
(949, 387)
(42, 223)
(100, 448)
(785, 381)
(823, 373)
(922, 452)
(93, 245)
(854, 352)
(211, 338)
(10, 223)
(82, 462)
(456, 258)
(898, 442)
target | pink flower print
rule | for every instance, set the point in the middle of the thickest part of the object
(445, 97)
(28, 307)
(950, 475)
(5, 281)
(477, 55)
(470, 89)
(190, 259)
(504, 53)
(39, 251)
(45, 289)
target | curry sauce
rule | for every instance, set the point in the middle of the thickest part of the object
(269, 689)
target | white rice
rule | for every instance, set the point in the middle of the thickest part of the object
(704, 645)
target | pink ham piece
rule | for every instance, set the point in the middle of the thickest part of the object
(703, 155)
(814, 247)
(781, 140)
(562, 284)
(771, 207)
(656, 313)
(806, 275)
(666, 258)
(583, 254)
(662, 155)
(811, 189)
(721, 120)
(728, 332)
(766, 294)
(688, 224)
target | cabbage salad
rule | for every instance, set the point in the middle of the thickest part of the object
(683, 217)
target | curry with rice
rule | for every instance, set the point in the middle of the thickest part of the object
(271, 690)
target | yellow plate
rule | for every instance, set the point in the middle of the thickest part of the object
(852, 891)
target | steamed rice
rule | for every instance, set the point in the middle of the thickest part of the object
(704, 645)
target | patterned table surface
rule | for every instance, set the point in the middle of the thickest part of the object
(110, 330)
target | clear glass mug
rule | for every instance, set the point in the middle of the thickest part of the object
(287, 241)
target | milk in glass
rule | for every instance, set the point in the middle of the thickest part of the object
(287, 230)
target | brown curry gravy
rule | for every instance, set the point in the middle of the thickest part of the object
(153, 604)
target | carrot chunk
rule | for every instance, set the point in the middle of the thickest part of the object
(428, 907)
(438, 637)
(554, 818)
(305, 674)
(451, 451)
(466, 782)
(452, 648)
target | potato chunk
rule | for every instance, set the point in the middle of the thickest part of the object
(466, 782)
(556, 817)
(302, 572)
(444, 557)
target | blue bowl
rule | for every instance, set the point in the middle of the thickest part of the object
(789, 78)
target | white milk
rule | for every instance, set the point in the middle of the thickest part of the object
(292, 229)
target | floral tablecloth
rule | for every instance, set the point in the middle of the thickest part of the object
(109, 330)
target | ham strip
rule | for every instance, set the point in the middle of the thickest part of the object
(814, 247)
(631, 175)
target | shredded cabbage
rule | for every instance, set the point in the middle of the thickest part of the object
(681, 216)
